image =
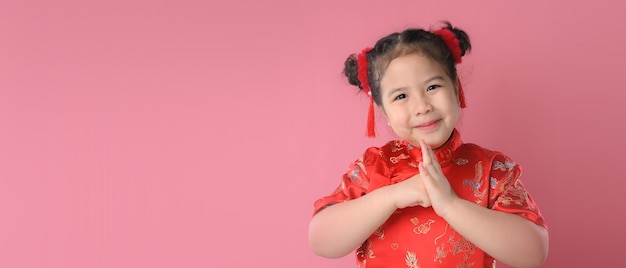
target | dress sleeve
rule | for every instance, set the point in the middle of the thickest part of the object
(356, 182)
(508, 193)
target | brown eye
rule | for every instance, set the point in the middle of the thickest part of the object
(432, 87)
(399, 97)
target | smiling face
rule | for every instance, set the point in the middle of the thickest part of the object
(419, 100)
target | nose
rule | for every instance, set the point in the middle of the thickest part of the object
(421, 105)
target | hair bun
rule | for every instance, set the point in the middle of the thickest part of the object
(351, 71)
(464, 41)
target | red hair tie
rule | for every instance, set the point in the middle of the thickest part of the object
(362, 66)
(453, 44)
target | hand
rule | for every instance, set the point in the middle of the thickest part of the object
(410, 192)
(440, 193)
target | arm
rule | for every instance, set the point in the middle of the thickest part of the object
(507, 237)
(339, 229)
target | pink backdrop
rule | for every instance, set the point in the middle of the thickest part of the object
(195, 134)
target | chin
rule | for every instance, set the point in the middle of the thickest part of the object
(436, 143)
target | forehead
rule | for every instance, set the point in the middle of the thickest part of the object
(409, 70)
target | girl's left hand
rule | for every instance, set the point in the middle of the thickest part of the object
(437, 186)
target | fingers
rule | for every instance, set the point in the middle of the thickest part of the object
(423, 172)
(428, 156)
(434, 159)
(429, 173)
(426, 160)
(410, 192)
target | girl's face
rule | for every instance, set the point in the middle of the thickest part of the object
(419, 100)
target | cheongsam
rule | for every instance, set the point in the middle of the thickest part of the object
(417, 236)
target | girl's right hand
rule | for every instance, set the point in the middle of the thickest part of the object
(409, 193)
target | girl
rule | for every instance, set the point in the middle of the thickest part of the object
(427, 200)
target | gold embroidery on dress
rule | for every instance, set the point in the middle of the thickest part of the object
(444, 232)
(397, 146)
(515, 193)
(465, 247)
(462, 246)
(380, 233)
(441, 251)
(396, 159)
(411, 260)
(508, 178)
(516, 190)
(423, 228)
(441, 254)
(480, 196)
(365, 250)
(476, 184)
(478, 172)
(360, 252)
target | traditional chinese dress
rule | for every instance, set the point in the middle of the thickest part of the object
(417, 236)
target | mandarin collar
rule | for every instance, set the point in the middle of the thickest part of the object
(443, 154)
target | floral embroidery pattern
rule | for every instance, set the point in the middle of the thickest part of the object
(411, 260)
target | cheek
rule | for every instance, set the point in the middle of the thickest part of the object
(455, 113)
(397, 119)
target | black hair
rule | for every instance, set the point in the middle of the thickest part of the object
(400, 44)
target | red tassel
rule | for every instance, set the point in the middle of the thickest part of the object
(371, 126)
(365, 85)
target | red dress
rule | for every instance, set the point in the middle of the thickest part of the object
(417, 236)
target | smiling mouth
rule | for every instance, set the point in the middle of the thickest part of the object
(428, 125)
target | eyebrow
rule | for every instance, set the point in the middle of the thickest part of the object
(393, 91)
(436, 77)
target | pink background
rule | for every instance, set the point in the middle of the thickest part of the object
(195, 134)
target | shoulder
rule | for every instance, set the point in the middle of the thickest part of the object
(393, 148)
(390, 153)
(497, 159)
